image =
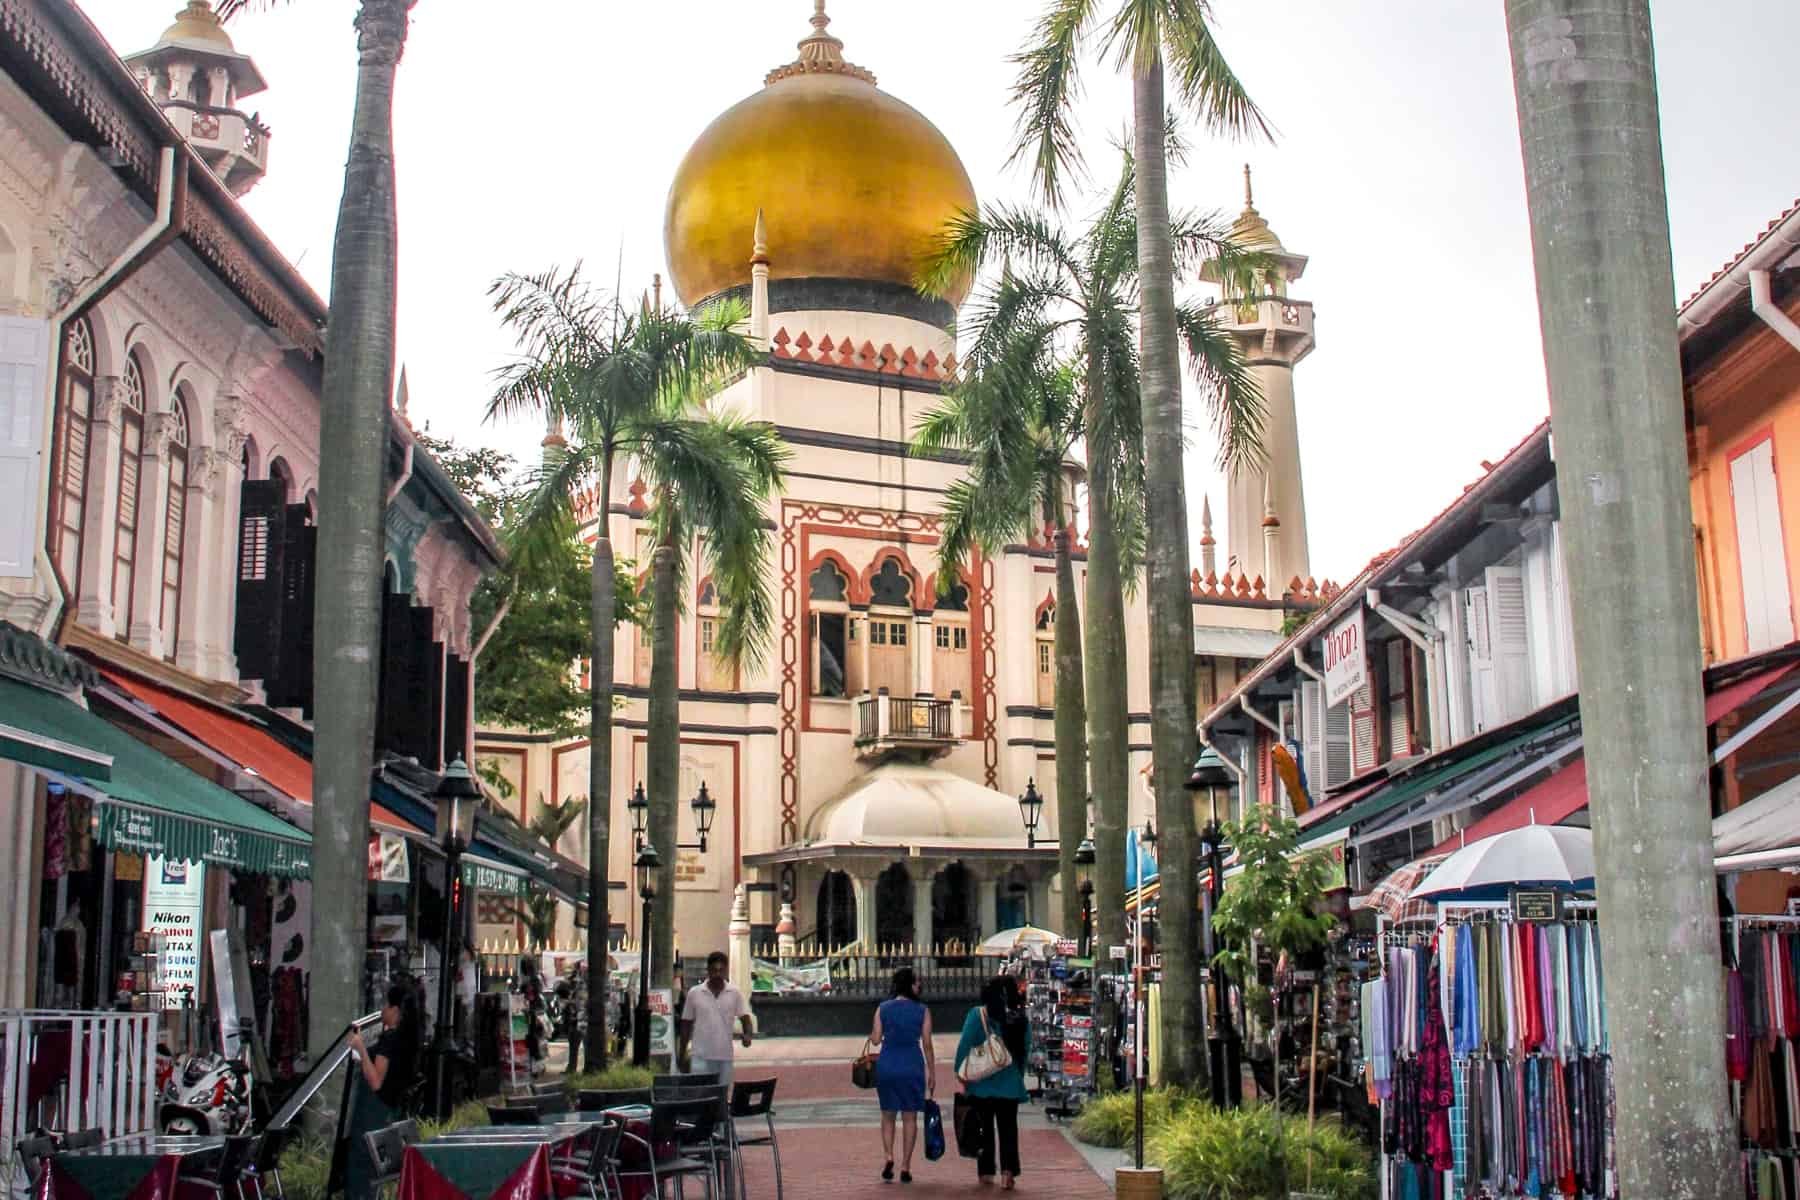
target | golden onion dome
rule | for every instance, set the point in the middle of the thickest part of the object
(852, 182)
(1250, 231)
(197, 23)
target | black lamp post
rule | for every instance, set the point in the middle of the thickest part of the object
(458, 798)
(704, 806)
(647, 865)
(1031, 808)
(1084, 863)
(1224, 1050)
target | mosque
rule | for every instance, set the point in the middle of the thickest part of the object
(867, 772)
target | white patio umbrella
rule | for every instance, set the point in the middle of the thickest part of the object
(1533, 854)
(1027, 937)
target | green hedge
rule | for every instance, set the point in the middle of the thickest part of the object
(1109, 1120)
(617, 1076)
(1251, 1154)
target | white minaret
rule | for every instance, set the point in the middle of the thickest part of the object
(199, 80)
(1276, 332)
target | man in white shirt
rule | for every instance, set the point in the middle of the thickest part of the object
(707, 1017)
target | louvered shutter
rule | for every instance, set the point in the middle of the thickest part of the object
(261, 555)
(1362, 730)
(24, 373)
(1312, 738)
(1511, 646)
(1484, 693)
(396, 647)
(1762, 559)
(293, 685)
(1338, 756)
(1399, 715)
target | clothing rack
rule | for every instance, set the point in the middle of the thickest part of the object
(1761, 1049)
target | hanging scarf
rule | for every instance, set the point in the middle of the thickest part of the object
(1437, 1091)
(1737, 1040)
(1465, 1007)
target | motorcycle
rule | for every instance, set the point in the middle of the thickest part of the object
(568, 1012)
(205, 1095)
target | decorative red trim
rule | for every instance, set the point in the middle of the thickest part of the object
(855, 591)
(906, 565)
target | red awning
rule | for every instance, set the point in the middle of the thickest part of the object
(241, 741)
(1564, 794)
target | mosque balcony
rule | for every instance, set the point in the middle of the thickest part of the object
(234, 145)
(1279, 313)
(885, 723)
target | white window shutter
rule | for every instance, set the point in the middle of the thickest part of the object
(1566, 676)
(1399, 716)
(1312, 737)
(1762, 561)
(1362, 730)
(1339, 765)
(1511, 643)
(24, 374)
(1484, 695)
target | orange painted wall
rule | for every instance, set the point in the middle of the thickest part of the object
(1750, 390)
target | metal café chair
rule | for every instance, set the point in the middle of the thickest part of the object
(265, 1163)
(715, 1144)
(34, 1152)
(387, 1149)
(223, 1173)
(82, 1139)
(750, 1099)
(513, 1114)
(662, 1083)
(591, 1161)
(601, 1099)
(682, 1122)
(549, 1104)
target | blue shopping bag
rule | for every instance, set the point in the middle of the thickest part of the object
(934, 1131)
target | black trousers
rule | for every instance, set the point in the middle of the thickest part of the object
(996, 1119)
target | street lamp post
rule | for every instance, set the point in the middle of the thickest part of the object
(647, 864)
(703, 805)
(1224, 1050)
(458, 798)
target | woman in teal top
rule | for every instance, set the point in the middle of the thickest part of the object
(995, 1100)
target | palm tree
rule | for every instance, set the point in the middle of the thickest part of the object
(713, 477)
(1142, 34)
(1017, 413)
(610, 378)
(1085, 286)
(353, 441)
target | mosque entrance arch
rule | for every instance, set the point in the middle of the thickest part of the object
(837, 910)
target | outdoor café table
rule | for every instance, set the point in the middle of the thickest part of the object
(449, 1168)
(142, 1166)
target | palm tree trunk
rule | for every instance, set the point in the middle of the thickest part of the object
(1172, 712)
(1109, 762)
(1071, 712)
(599, 813)
(353, 440)
(1584, 79)
(663, 755)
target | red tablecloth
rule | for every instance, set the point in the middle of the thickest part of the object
(530, 1180)
(160, 1180)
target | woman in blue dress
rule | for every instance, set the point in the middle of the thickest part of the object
(904, 1074)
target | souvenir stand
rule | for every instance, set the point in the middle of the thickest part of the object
(1762, 1012)
(1059, 1000)
(1485, 1039)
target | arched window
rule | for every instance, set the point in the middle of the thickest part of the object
(833, 630)
(1046, 655)
(281, 473)
(74, 429)
(125, 524)
(713, 673)
(950, 659)
(890, 629)
(174, 526)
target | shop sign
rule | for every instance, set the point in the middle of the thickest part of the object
(173, 894)
(388, 859)
(136, 833)
(1537, 907)
(484, 878)
(662, 1021)
(1346, 658)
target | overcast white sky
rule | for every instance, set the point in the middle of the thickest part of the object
(536, 132)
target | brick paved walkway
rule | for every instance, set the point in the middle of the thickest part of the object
(844, 1163)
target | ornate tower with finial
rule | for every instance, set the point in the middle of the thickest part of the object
(200, 80)
(1276, 332)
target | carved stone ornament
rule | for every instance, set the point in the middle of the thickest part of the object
(230, 432)
(159, 431)
(109, 395)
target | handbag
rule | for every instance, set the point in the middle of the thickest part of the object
(934, 1131)
(985, 1058)
(962, 1117)
(862, 1067)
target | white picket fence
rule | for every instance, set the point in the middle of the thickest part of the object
(110, 1083)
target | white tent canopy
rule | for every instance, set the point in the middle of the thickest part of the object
(1762, 833)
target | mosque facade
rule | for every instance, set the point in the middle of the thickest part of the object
(867, 771)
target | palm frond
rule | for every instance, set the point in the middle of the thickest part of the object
(1203, 79)
(543, 523)
(1228, 388)
(1046, 89)
(972, 240)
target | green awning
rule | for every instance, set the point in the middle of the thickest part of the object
(151, 804)
(36, 750)
(485, 875)
(1429, 780)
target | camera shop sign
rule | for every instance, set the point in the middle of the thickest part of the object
(1346, 660)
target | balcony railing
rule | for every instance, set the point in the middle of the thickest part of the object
(886, 722)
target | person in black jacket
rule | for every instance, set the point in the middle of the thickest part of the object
(386, 1072)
